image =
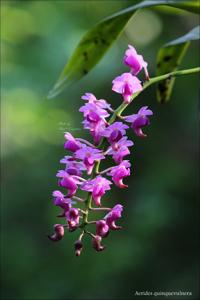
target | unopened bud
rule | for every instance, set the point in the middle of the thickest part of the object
(59, 233)
(96, 243)
(102, 229)
(78, 247)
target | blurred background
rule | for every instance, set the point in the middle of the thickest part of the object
(157, 248)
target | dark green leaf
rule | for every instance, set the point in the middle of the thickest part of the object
(169, 58)
(97, 41)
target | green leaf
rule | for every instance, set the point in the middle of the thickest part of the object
(169, 58)
(97, 41)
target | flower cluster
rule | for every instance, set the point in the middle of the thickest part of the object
(81, 172)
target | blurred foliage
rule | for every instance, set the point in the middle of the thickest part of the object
(96, 41)
(169, 58)
(158, 248)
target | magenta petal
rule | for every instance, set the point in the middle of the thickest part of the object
(138, 131)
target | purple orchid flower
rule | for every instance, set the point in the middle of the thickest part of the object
(101, 103)
(140, 120)
(121, 151)
(73, 167)
(61, 201)
(119, 172)
(93, 113)
(71, 144)
(70, 182)
(96, 129)
(114, 133)
(127, 85)
(86, 157)
(98, 187)
(89, 156)
(135, 61)
(113, 215)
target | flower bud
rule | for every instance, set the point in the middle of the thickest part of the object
(73, 218)
(59, 233)
(102, 229)
(78, 247)
(135, 61)
(96, 243)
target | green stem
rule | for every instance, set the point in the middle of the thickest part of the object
(100, 208)
(117, 113)
(174, 74)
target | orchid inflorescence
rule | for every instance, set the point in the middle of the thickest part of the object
(85, 158)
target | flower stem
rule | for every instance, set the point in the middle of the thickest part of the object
(81, 235)
(92, 222)
(79, 178)
(82, 211)
(78, 199)
(88, 202)
(85, 142)
(90, 233)
(106, 170)
(100, 208)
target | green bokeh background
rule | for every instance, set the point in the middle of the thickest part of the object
(158, 246)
